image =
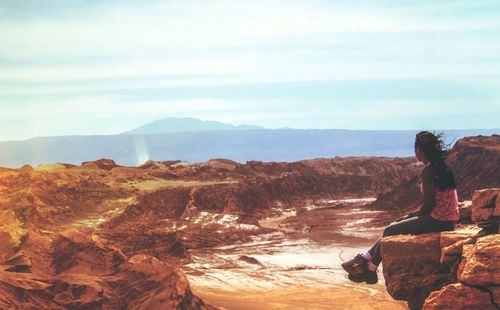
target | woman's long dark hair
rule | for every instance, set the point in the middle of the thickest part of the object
(435, 150)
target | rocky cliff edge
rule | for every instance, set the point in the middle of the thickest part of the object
(456, 269)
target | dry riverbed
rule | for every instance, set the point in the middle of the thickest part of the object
(297, 265)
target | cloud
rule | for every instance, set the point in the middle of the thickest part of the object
(186, 25)
(266, 40)
(68, 67)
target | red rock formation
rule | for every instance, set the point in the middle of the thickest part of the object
(103, 163)
(223, 164)
(90, 273)
(476, 164)
(486, 208)
(51, 258)
(457, 295)
(101, 236)
(430, 270)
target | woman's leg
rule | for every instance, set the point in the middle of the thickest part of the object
(414, 225)
(374, 246)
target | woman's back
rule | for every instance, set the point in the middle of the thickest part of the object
(445, 203)
(446, 208)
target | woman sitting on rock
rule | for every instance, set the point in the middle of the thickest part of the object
(439, 211)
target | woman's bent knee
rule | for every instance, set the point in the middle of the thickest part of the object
(389, 230)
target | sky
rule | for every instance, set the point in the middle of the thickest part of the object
(104, 67)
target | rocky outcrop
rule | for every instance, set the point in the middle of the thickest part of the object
(103, 163)
(336, 177)
(465, 212)
(88, 273)
(486, 208)
(460, 296)
(460, 267)
(475, 162)
(480, 265)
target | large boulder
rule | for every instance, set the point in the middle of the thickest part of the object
(481, 263)
(465, 208)
(413, 266)
(452, 243)
(459, 296)
(486, 208)
(460, 265)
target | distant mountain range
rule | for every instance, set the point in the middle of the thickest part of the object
(196, 141)
(185, 124)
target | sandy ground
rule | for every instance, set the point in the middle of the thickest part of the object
(296, 267)
(347, 296)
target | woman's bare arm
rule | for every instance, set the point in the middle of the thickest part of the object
(429, 192)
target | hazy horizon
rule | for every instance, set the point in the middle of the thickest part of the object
(94, 67)
(266, 128)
